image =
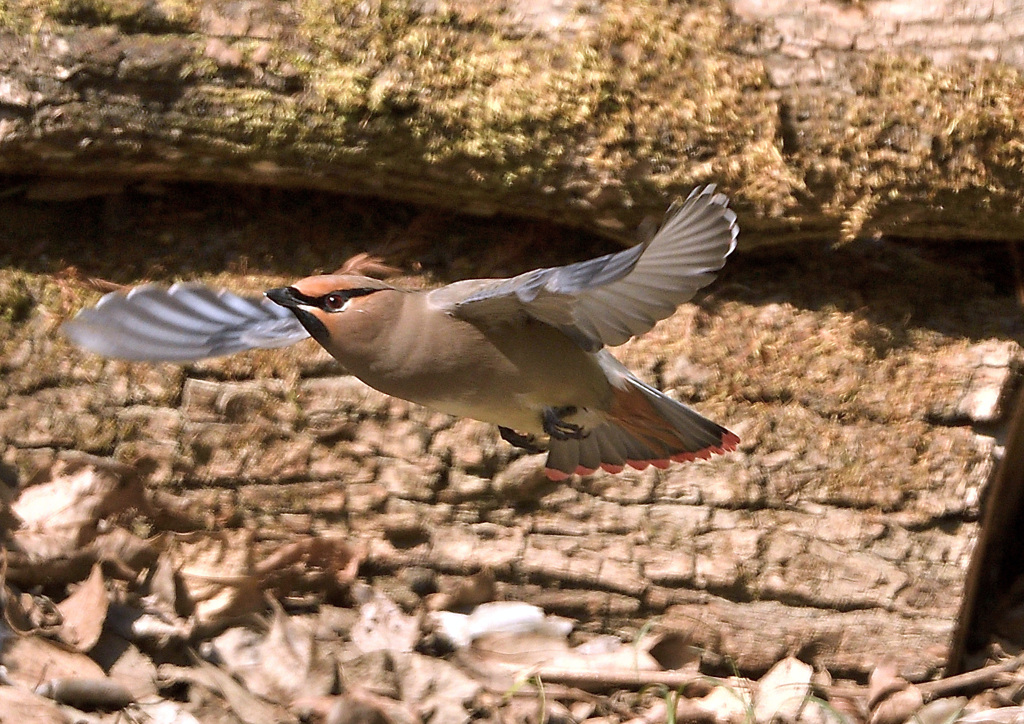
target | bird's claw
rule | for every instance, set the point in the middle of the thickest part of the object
(558, 428)
(518, 439)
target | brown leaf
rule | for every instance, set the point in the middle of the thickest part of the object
(218, 572)
(728, 704)
(362, 707)
(61, 516)
(781, 693)
(311, 563)
(30, 660)
(249, 708)
(20, 705)
(281, 665)
(17, 610)
(127, 551)
(383, 626)
(884, 681)
(898, 707)
(84, 612)
(126, 665)
(437, 688)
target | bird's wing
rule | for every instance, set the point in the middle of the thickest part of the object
(183, 323)
(607, 300)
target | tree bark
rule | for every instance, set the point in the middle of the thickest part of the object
(824, 120)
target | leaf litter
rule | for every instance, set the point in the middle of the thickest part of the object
(184, 623)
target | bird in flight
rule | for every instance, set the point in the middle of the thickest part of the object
(527, 353)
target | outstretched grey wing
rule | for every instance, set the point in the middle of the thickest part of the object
(606, 301)
(183, 323)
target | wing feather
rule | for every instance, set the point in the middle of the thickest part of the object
(607, 300)
(184, 323)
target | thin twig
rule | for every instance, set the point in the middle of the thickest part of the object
(619, 679)
(971, 680)
(979, 678)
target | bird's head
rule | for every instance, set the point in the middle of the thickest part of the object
(325, 305)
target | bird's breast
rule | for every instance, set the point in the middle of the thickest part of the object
(503, 374)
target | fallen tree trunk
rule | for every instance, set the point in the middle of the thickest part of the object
(824, 120)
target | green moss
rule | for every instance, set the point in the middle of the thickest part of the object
(16, 300)
(651, 99)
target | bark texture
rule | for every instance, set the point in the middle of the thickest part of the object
(825, 120)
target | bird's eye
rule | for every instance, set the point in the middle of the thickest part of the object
(335, 302)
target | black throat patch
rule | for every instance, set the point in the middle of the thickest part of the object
(314, 326)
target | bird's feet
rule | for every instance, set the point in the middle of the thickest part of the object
(518, 439)
(558, 428)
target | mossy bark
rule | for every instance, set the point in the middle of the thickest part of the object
(822, 120)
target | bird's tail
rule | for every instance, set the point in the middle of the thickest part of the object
(644, 427)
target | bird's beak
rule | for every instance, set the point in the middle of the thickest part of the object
(301, 306)
(285, 296)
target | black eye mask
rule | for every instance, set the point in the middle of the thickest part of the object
(295, 300)
(335, 301)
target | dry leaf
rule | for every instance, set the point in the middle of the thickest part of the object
(518, 651)
(249, 708)
(498, 617)
(897, 708)
(438, 690)
(321, 563)
(362, 707)
(84, 612)
(125, 664)
(884, 681)
(942, 711)
(167, 592)
(153, 629)
(730, 703)
(61, 516)
(17, 609)
(624, 657)
(382, 626)
(126, 550)
(781, 693)
(281, 665)
(218, 572)
(20, 705)
(1005, 715)
(30, 660)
